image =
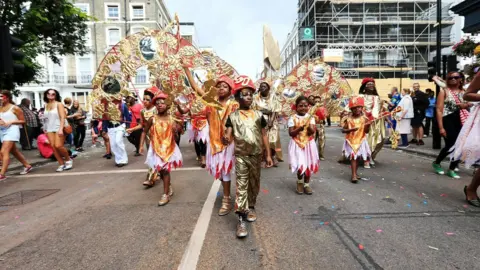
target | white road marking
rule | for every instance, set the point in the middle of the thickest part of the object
(119, 171)
(192, 252)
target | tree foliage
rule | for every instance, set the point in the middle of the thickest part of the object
(48, 27)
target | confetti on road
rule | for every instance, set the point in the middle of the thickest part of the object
(360, 246)
(364, 190)
(460, 211)
(369, 194)
(322, 223)
(368, 217)
(333, 206)
(433, 247)
(17, 217)
(426, 214)
(278, 197)
(383, 179)
(387, 197)
(296, 212)
(443, 195)
(218, 194)
(379, 231)
(449, 233)
(402, 187)
(343, 199)
(265, 191)
(425, 202)
(409, 205)
(465, 206)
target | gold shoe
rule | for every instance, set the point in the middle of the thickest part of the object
(226, 207)
(148, 183)
(308, 190)
(164, 200)
(252, 215)
(300, 188)
(170, 190)
(241, 228)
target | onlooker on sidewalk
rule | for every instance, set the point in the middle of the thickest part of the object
(405, 116)
(55, 120)
(451, 112)
(429, 113)
(30, 130)
(135, 109)
(11, 117)
(79, 116)
(420, 104)
(392, 104)
(68, 111)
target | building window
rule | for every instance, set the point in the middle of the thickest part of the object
(59, 72)
(135, 30)
(113, 36)
(83, 7)
(88, 38)
(142, 75)
(84, 69)
(112, 11)
(137, 11)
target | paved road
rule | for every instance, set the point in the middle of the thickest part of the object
(401, 216)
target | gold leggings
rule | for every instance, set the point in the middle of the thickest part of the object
(247, 169)
(321, 140)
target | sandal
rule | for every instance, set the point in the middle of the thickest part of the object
(354, 180)
(475, 202)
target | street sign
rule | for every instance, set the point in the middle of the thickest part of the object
(307, 33)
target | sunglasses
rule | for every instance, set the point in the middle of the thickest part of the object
(454, 77)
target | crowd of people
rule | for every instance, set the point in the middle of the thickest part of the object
(239, 134)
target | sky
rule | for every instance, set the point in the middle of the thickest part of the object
(234, 28)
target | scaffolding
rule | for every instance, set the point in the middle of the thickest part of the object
(380, 38)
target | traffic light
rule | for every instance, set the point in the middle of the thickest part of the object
(9, 54)
(432, 68)
(452, 63)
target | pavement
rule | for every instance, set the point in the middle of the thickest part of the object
(400, 216)
(421, 150)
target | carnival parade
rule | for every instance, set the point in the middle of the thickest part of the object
(203, 167)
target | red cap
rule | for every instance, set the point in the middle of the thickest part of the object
(241, 82)
(159, 95)
(153, 90)
(356, 102)
(226, 80)
(367, 80)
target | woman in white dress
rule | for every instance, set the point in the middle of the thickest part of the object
(405, 116)
(467, 146)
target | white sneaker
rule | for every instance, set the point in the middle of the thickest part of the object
(26, 170)
(68, 165)
(60, 168)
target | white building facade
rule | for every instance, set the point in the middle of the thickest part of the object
(115, 19)
(290, 52)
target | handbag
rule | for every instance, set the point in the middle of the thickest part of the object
(67, 128)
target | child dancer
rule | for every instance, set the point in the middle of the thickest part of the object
(302, 150)
(220, 159)
(148, 111)
(320, 117)
(248, 129)
(356, 127)
(200, 130)
(163, 153)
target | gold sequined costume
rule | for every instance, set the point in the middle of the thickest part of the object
(247, 128)
(272, 105)
(376, 135)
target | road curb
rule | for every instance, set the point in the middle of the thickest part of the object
(416, 152)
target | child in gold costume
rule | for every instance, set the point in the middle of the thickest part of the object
(356, 128)
(302, 150)
(248, 129)
(163, 153)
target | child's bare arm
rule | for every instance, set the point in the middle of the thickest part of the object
(228, 136)
(265, 143)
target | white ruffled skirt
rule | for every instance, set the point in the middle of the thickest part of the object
(203, 134)
(157, 163)
(222, 163)
(190, 132)
(363, 152)
(467, 146)
(306, 160)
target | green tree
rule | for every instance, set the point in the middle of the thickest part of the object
(48, 27)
